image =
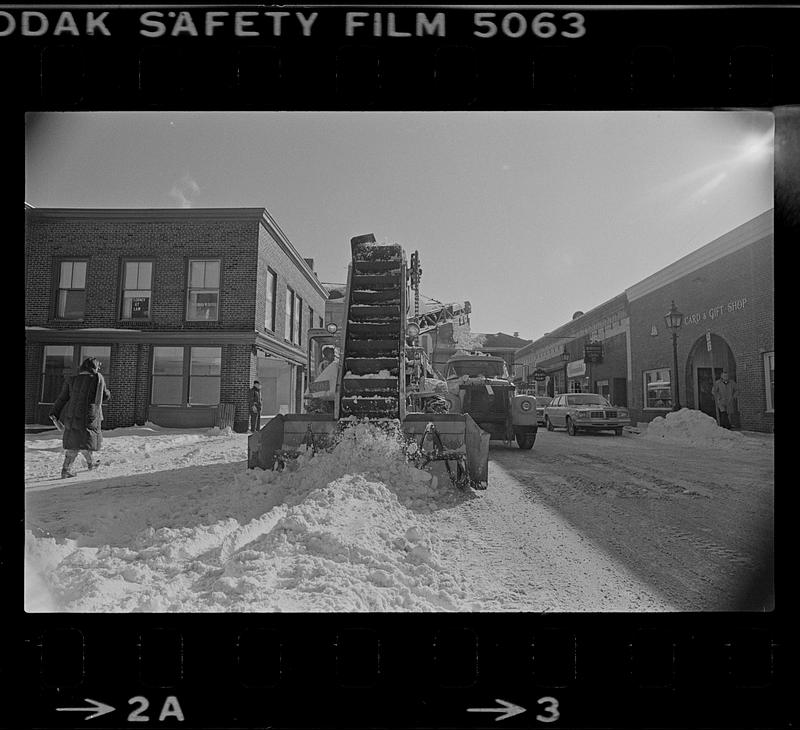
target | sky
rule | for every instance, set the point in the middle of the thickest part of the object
(529, 216)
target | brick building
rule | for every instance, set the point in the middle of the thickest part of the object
(607, 324)
(725, 289)
(185, 308)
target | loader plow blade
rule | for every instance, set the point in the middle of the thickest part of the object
(286, 435)
(450, 443)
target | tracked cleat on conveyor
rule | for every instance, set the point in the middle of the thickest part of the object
(372, 348)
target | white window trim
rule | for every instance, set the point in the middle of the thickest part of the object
(271, 313)
(202, 289)
(122, 316)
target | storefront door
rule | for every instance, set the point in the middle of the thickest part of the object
(704, 385)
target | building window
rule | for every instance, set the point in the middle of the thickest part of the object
(103, 354)
(58, 365)
(658, 388)
(204, 376)
(297, 330)
(137, 289)
(71, 290)
(272, 287)
(167, 387)
(769, 377)
(203, 299)
(288, 332)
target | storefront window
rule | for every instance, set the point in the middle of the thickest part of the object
(137, 289)
(658, 388)
(167, 387)
(204, 375)
(58, 365)
(769, 376)
(203, 298)
(103, 354)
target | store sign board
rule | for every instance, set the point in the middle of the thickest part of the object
(708, 340)
(593, 352)
(140, 307)
(735, 305)
(539, 375)
(576, 368)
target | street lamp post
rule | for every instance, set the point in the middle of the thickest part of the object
(674, 319)
(565, 360)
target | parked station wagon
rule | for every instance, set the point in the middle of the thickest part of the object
(585, 411)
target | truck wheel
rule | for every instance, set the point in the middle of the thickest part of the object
(572, 429)
(548, 423)
(526, 440)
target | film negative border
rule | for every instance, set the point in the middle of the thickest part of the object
(453, 57)
(412, 671)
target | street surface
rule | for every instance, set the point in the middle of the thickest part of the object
(599, 522)
(174, 521)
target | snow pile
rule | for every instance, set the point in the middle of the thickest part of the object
(349, 530)
(693, 428)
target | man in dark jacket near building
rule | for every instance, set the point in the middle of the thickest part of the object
(725, 392)
(255, 406)
(79, 407)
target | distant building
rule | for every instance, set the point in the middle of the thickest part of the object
(449, 339)
(725, 291)
(184, 307)
(606, 324)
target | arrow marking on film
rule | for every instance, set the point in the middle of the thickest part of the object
(508, 710)
(99, 709)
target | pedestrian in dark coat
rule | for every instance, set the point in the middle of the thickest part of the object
(255, 406)
(79, 407)
(726, 393)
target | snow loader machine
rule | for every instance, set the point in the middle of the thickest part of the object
(373, 370)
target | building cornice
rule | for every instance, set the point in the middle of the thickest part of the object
(566, 332)
(216, 337)
(754, 230)
(271, 345)
(144, 214)
(278, 235)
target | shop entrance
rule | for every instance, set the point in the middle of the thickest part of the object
(703, 388)
(699, 370)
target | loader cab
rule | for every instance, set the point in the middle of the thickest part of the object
(477, 366)
(324, 358)
(483, 385)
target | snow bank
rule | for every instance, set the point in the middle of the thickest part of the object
(349, 530)
(693, 428)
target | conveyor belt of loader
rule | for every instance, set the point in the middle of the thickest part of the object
(372, 344)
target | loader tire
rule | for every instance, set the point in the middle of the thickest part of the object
(526, 440)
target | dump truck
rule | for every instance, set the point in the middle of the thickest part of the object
(481, 386)
(376, 372)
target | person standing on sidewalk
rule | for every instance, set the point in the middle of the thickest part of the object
(79, 407)
(255, 406)
(725, 392)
